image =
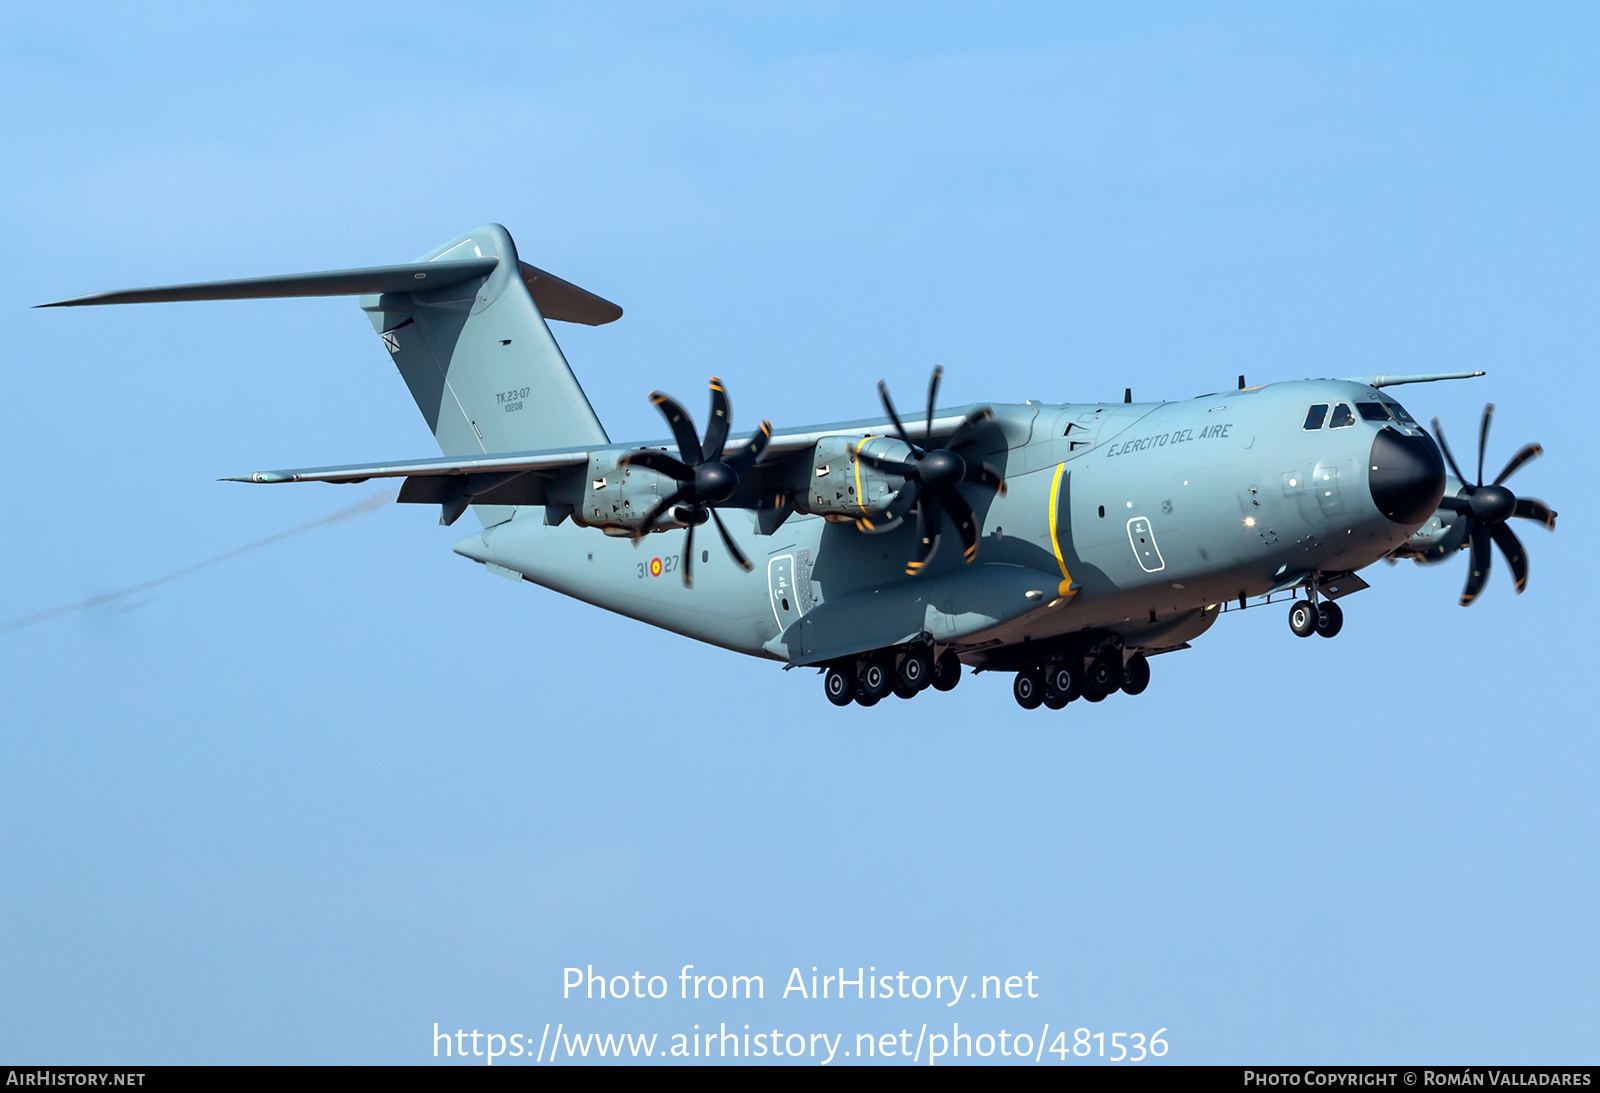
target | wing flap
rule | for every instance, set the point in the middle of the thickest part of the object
(512, 463)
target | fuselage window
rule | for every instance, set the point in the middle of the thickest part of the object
(1342, 417)
(1317, 415)
(1372, 411)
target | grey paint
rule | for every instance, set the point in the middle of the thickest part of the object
(1162, 511)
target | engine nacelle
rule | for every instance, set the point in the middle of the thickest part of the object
(844, 489)
(616, 499)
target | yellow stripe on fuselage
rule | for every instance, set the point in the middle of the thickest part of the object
(1066, 588)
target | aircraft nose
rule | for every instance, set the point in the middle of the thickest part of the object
(1406, 476)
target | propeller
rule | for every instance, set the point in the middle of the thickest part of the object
(932, 475)
(706, 475)
(1482, 511)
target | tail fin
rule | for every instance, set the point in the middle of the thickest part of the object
(480, 361)
(464, 328)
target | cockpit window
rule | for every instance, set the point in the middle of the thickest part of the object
(1342, 417)
(1316, 416)
(1372, 411)
(1400, 414)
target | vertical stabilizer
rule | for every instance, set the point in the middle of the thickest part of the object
(480, 360)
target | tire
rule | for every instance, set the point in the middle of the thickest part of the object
(1330, 618)
(1104, 676)
(1054, 699)
(1028, 688)
(840, 686)
(1303, 618)
(946, 671)
(864, 699)
(876, 680)
(1093, 696)
(901, 690)
(1135, 675)
(915, 673)
(1066, 680)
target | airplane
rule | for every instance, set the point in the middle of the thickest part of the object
(1064, 543)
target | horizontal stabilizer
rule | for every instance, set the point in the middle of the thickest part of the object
(556, 298)
(408, 277)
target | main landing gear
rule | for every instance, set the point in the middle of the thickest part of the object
(1307, 618)
(1059, 682)
(905, 674)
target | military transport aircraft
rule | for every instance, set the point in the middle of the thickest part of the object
(1066, 543)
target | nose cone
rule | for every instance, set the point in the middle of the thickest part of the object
(1406, 476)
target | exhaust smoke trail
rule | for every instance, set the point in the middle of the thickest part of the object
(366, 505)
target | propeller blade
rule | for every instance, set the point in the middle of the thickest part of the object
(1483, 437)
(1452, 541)
(682, 428)
(1481, 557)
(930, 516)
(966, 522)
(1438, 434)
(883, 393)
(656, 510)
(727, 540)
(721, 415)
(1529, 451)
(1511, 547)
(1529, 509)
(963, 434)
(887, 466)
(756, 447)
(688, 558)
(1455, 504)
(933, 393)
(986, 475)
(658, 461)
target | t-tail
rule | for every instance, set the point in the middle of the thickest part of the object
(465, 326)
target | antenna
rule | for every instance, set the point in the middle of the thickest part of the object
(1241, 383)
(1127, 394)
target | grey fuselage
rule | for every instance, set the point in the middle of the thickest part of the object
(1133, 521)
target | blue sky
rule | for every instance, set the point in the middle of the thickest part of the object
(301, 805)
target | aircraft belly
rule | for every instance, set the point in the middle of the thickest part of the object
(726, 606)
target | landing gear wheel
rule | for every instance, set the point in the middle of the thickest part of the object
(1135, 675)
(1330, 618)
(1303, 618)
(1054, 699)
(864, 699)
(1065, 680)
(1028, 688)
(1104, 676)
(946, 671)
(876, 681)
(840, 685)
(915, 673)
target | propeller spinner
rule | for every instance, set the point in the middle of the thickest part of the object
(932, 476)
(706, 476)
(1482, 511)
